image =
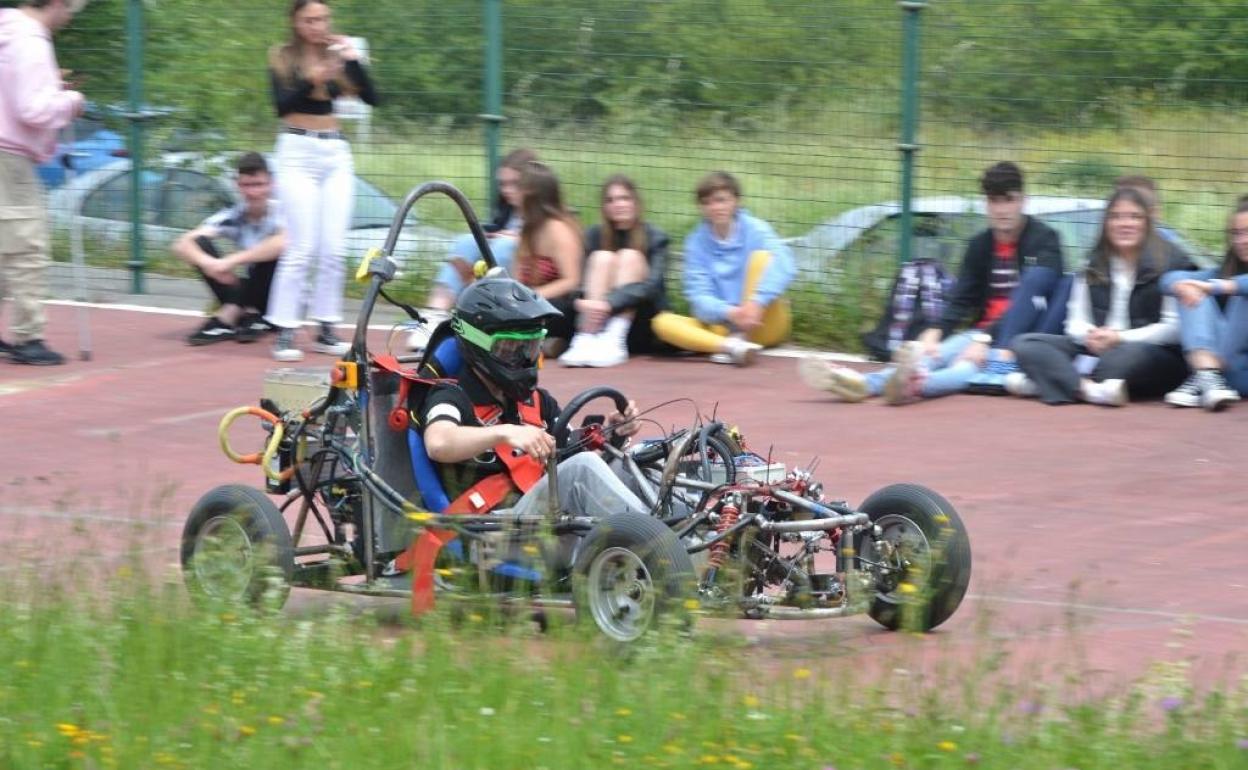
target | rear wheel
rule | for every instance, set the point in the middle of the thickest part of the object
(921, 562)
(236, 548)
(631, 572)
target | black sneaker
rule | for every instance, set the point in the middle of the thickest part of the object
(1215, 393)
(1186, 395)
(35, 353)
(328, 343)
(212, 331)
(251, 328)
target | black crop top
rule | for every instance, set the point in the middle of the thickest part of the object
(297, 95)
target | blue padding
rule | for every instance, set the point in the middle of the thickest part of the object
(448, 358)
(427, 481)
(513, 570)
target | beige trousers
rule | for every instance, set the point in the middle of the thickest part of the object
(23, 246)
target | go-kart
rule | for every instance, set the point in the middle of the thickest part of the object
(766, 544)
(728, 531)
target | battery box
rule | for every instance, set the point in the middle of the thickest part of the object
(295, 389)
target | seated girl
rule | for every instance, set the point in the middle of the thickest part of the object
(502, 230)
(550, 251)
(1122, 334)
(1213, 323)
(624, 281)
(736, 271)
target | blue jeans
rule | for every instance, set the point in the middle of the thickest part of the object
(945, 373)
(1038, 304)
(1221, 332)
(465, 247)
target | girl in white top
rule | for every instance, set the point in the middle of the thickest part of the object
(1122, 333)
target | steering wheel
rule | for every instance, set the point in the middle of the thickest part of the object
(578, 402)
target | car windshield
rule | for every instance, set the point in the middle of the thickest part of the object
(373, 208)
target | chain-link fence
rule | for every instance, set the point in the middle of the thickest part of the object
(800, 99)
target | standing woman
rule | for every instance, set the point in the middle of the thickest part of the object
(624, 281)
(1117, 316)
(548, 258)
(315, 173)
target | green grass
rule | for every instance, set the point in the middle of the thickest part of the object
(125, 675)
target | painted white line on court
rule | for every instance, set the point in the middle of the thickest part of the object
(102, 518)
(1107, 609)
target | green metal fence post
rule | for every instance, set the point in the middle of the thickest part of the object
(909, 117)
(493, 115)
(134, 97)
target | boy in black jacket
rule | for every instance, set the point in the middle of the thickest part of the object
(1009, 274)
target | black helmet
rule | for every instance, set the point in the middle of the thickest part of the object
(500, 324)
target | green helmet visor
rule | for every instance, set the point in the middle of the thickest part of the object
(511, 349)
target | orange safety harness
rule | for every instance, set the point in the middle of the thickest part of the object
(521, 474)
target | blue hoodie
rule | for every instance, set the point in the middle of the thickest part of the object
(715, 269)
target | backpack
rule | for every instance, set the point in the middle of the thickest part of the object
(915, 302)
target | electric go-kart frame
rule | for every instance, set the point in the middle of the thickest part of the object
(729, 531)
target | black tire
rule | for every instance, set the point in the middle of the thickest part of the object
(935, 543)
(242, 525)
(630, 572)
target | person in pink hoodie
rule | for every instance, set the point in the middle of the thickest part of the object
(34, 106)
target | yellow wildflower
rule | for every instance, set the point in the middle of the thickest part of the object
(947, 746)
(624, 738)
(801, 673)
(623, 712)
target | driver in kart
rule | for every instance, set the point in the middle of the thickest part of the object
(488, 433)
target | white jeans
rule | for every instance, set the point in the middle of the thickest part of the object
(316, 188)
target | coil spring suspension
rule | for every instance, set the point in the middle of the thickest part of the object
(728, 516)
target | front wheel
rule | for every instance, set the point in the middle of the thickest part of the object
(631, 571)
(236, 548)
(921, 560)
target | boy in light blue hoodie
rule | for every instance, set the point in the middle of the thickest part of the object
(736, 272)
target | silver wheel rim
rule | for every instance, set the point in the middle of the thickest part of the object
(620, 594)
(912, 543)
(224, 560)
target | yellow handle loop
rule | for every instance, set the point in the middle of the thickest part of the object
(263, 459)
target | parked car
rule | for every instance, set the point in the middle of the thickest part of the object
(179, 191)
(94, 146)
(942, 226)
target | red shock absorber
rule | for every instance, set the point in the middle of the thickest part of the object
(728, 516)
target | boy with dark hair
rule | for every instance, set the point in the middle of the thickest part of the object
(255, 228)
(1006, 286)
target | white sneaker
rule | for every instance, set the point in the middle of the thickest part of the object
(579, 350)
(905, 384)
(1106, 393)
(284, 349)
(1215, 392)
(1019, 384)
(841, 381)
(605, 351)
(1189, 394)
(739, 352)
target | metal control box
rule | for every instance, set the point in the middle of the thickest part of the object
(295, 389)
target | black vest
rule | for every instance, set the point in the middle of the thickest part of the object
(1144, 307)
